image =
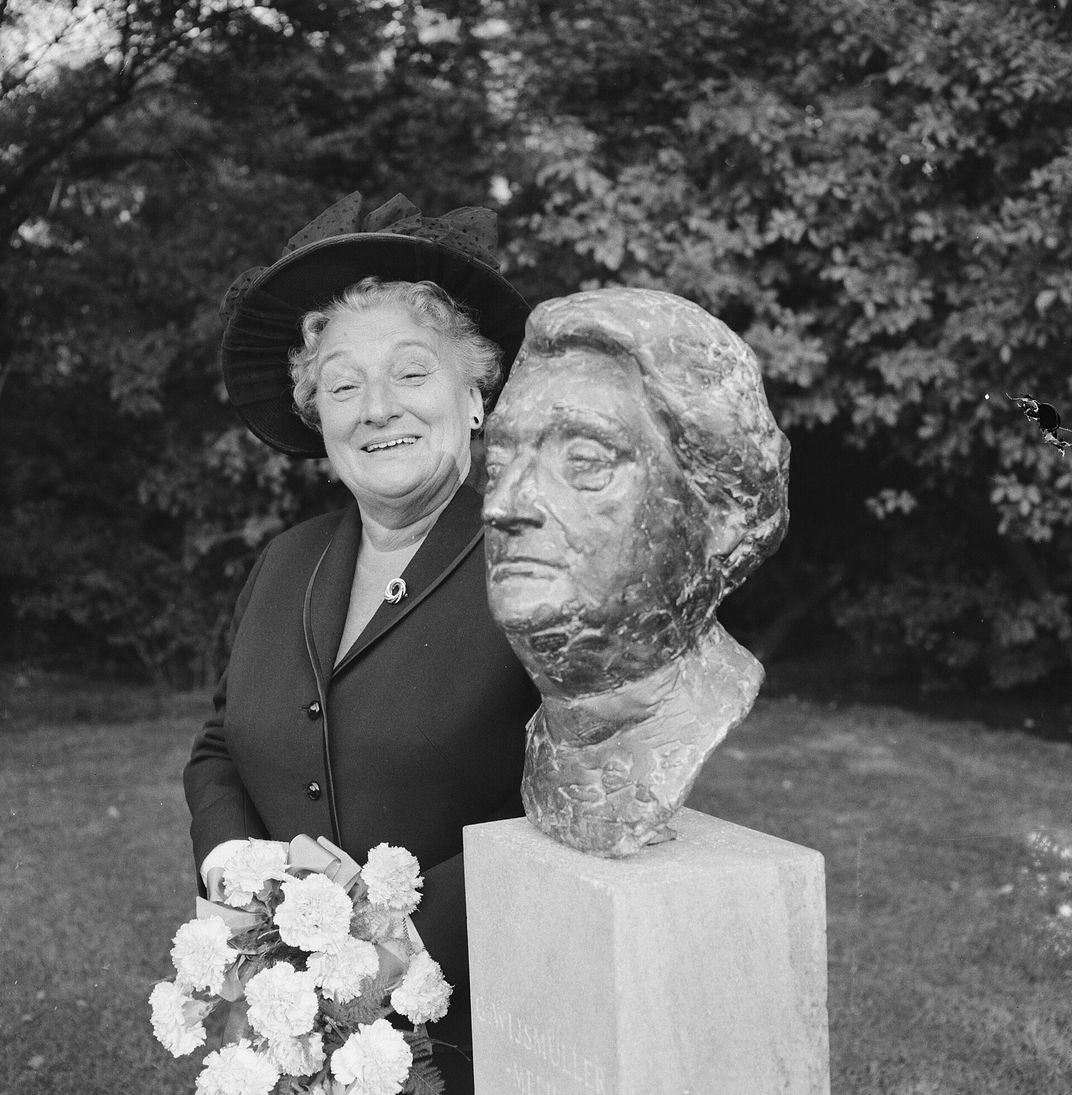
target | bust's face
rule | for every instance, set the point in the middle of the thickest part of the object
(587, 532)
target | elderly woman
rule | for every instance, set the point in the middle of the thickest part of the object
(369, 696)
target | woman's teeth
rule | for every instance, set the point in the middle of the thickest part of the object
(379, 446)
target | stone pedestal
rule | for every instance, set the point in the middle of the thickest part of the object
(697, 967)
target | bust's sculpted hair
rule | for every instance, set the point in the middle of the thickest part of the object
(428, 304)
(704, 387)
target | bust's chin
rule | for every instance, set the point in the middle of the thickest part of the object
(521, 617)
(560, 665)
(568, 657)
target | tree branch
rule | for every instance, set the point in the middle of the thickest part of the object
(14, 78)
(32, 167)
(121, 85)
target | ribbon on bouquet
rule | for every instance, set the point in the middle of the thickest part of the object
(325, 858)
(320, 856)
(238, 920)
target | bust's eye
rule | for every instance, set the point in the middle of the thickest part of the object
(494, 461)
(588, 454)
(589, 465)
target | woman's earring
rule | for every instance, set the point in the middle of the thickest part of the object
(477, 421)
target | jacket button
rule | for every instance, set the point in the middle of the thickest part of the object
(312, 789)
(313, 710)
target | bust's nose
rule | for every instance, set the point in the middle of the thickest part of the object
(511, 501)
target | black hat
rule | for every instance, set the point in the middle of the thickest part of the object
(265, 305)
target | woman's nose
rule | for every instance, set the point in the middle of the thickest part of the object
(381, 403)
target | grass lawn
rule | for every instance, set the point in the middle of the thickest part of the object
(950, 967)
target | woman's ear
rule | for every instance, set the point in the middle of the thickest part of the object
(476, 407)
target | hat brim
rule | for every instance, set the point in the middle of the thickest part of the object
(266, 322)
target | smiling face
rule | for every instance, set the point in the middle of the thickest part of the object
(589, 542)
(395, 411)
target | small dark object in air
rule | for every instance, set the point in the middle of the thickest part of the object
(1047, 418)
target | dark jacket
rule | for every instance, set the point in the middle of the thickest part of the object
(419, 731)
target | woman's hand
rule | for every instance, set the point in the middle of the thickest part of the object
(213, 864)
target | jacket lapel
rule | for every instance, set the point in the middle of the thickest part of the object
(454, 535)
(327, 597)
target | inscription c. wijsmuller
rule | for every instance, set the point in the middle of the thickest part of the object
(546, 1046)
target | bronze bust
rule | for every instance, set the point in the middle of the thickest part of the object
(635, 477)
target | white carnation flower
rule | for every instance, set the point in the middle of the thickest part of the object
(237, 1070)
(338, 973)
(250, 867)
(201, 954)
(314, 914)
(298, 1056)
(423, 995)
(393, 878)
(282, 1001)
(376, 1059)
(177, 1019)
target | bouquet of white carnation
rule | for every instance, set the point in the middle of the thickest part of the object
(310, 953)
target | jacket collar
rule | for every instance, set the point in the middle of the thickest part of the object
(454, 535)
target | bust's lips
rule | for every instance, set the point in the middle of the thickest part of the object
(521, 565)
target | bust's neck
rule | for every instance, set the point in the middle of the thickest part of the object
(605, 772)
(714, 683)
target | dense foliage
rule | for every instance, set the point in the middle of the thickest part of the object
(878, 197)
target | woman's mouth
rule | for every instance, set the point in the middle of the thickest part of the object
(389, 443)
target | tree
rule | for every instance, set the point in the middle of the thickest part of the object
(877, 197)
(136, 500)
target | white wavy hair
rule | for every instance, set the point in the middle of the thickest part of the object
(430, 306)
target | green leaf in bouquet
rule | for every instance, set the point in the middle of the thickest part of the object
(236, 1025)
(255, 940)
(227, 1024)
(295, 1085)
(424, 1078)
(371, 1005)
(267, 950)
